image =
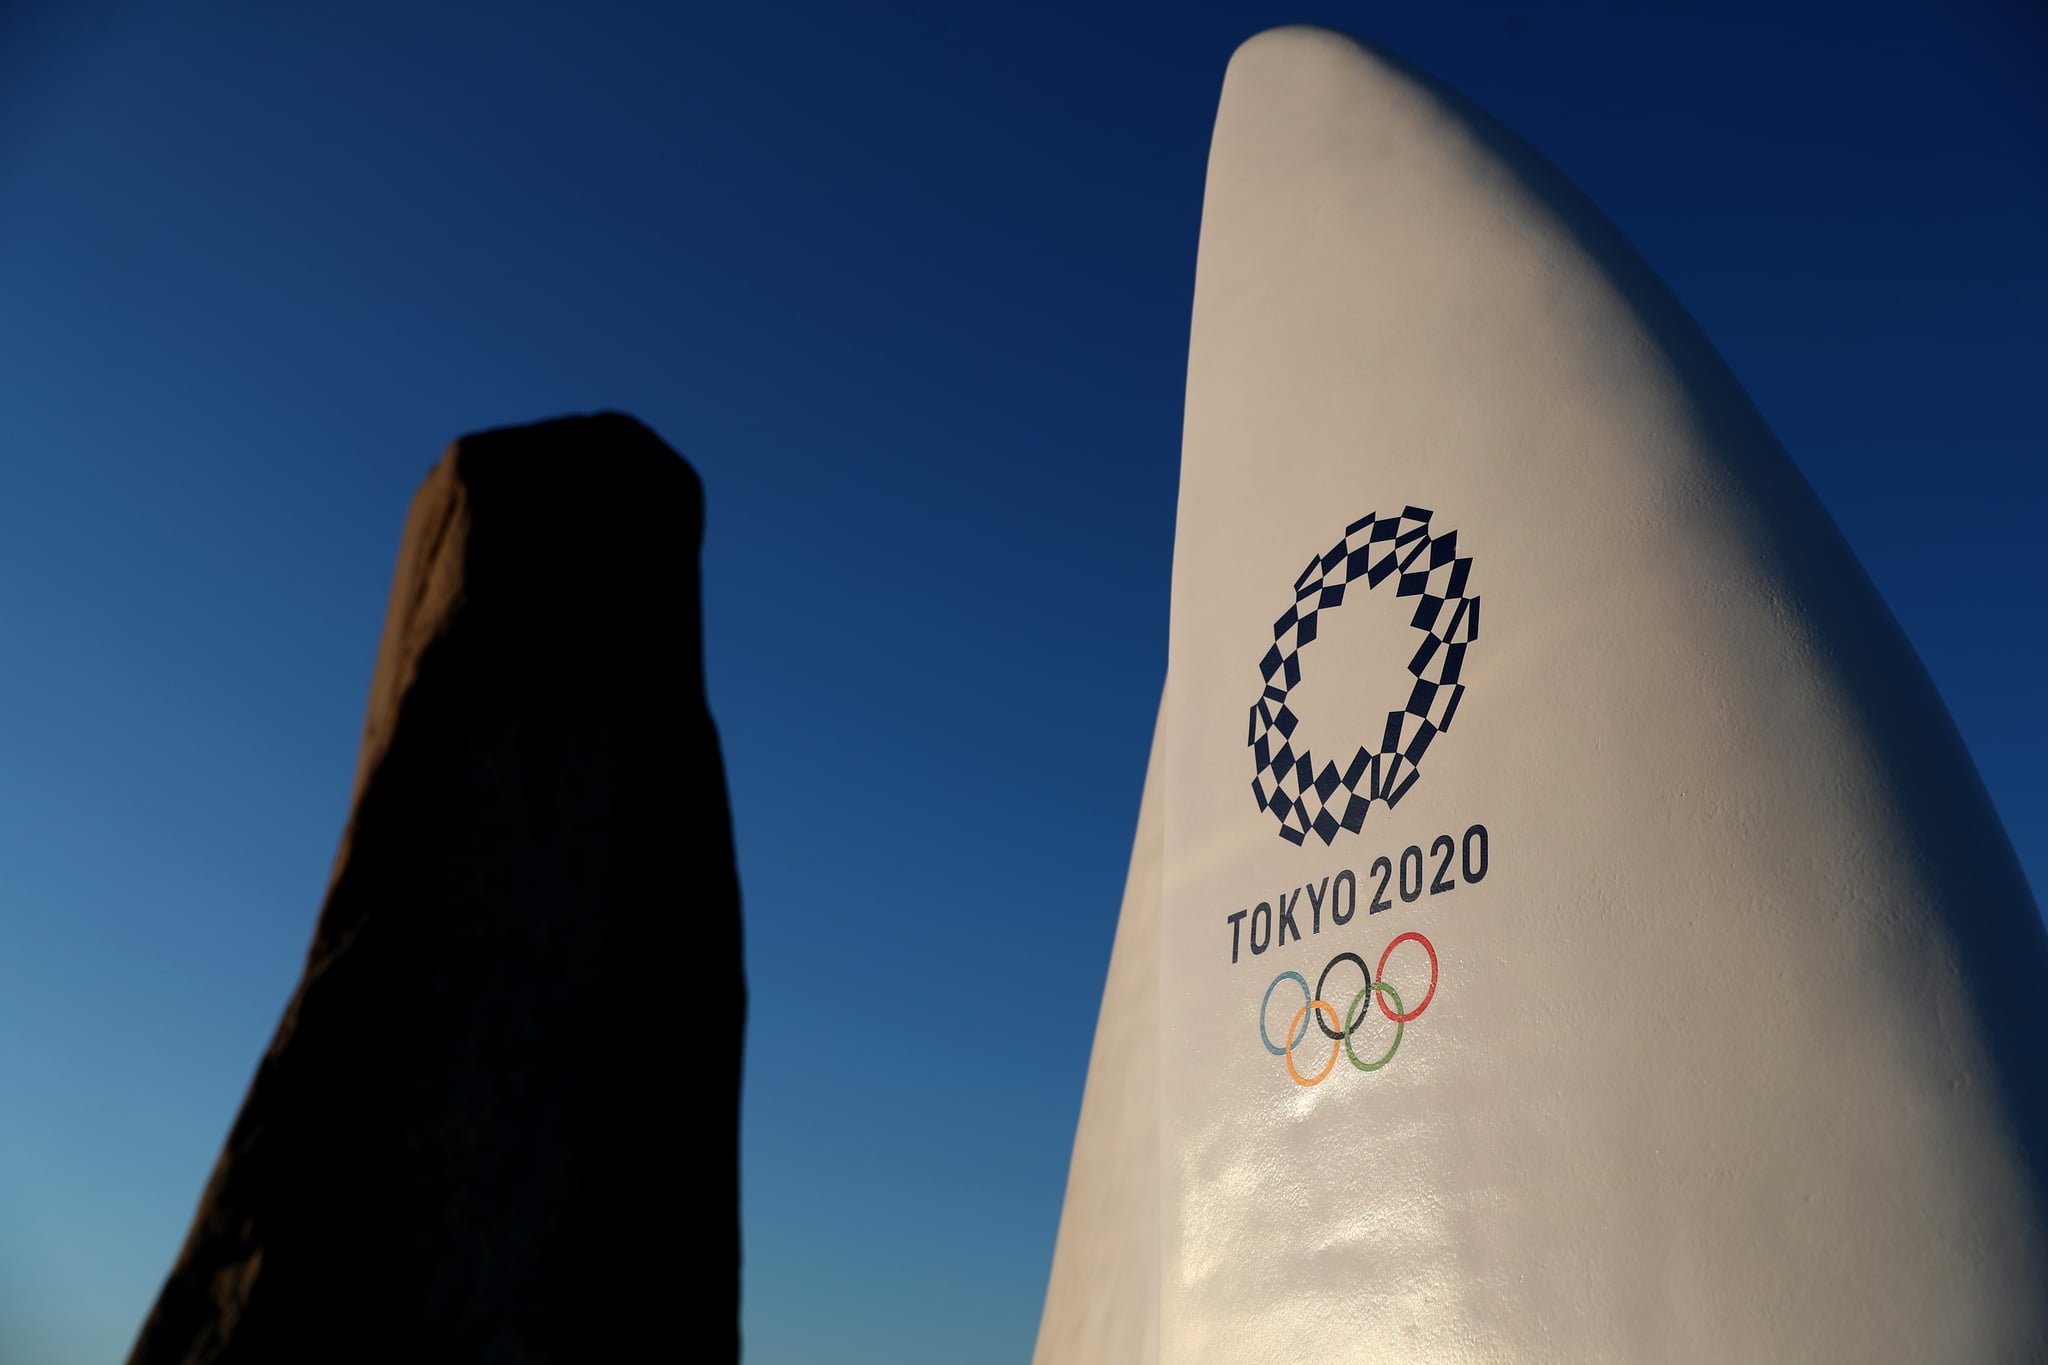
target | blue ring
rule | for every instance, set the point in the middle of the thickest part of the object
(1306, 1002)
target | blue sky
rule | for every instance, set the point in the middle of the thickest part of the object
(910, 286)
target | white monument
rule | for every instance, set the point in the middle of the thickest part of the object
(1564, 924)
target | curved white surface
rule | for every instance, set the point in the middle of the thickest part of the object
(1735, 1049)
(1102, 1302)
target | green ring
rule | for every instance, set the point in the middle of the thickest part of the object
(1351, 1018)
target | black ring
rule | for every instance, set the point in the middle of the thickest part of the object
(1363, 970)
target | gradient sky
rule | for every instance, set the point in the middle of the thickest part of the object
(910, 286)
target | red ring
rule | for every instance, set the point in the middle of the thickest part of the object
(1382, 999)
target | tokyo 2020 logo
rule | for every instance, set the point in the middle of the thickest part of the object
(1307, 799)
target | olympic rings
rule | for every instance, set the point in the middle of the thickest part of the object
(1306, 1000)
(1346, 1028)
(1334, 1047)
(1427, 997)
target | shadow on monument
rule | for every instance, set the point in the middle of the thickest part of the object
(1947, 815)
(464, 1142)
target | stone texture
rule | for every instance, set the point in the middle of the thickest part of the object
(499, 1119)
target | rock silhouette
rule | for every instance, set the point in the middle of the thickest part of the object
(499, 1119)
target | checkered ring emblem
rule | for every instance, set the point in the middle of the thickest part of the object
(1307, 799)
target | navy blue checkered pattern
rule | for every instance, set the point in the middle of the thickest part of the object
(1306, 799)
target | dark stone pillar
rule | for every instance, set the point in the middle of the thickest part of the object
(499, 1120)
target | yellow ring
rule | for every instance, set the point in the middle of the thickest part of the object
(1334, 1047)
